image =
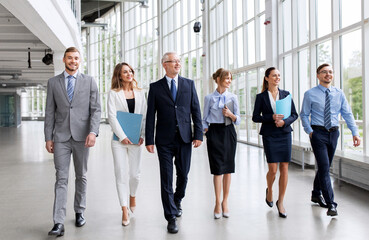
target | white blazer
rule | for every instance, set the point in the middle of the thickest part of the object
(118, 102)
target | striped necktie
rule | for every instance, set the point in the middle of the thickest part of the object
(70, 88)
(173, 89)
(327, 110)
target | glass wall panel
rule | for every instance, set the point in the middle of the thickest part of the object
(303, 19)
(350, 12)
(287, 27)
(304, 80)
(352, 81)
(323, 20)
(287, 74)
(252, 90)
(262, 37)
(324, 53)
(251, 42)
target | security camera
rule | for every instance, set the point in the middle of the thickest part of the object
(197, 27)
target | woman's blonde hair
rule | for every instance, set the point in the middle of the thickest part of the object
(116, 81)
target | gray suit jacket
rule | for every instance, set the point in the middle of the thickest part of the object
(76, 119)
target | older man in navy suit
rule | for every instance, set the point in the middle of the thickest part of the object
(173, 100)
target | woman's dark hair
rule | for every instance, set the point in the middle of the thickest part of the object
(265, 82)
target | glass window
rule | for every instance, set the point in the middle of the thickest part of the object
(212, 26)
(350, 12)
(251, 42)
(229, 15)
(324, 53)
(303, 19)
(324, 21)
(230, 52)
(261, 5)
(262, 37)
(239, 47)
(250, 9)
(239, 12)
(220, 16)
(287, 78)
(352, 73)
(252, 90)
(287, 28)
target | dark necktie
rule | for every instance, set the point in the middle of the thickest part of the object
(327, 111)
(173, 89)
(70, 88)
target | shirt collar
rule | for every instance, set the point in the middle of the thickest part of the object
(67, 74)
(170, 79)
(324, 88)
(216, 93)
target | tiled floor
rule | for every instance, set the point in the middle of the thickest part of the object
(27, 178)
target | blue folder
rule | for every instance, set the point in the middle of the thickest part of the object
(283, 106)
(131, 125)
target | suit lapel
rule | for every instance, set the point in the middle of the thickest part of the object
(164, 84)
(123, 100)
(180, 86)
(282, 94)
(77, 86)
(62, 85)
(137, 102)
(267, 101)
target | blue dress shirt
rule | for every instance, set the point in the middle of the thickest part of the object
(213, 106)
(169, 81)
(314, 103)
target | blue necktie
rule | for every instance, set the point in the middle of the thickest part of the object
(327, 111)
(70, 88)
(173, 89)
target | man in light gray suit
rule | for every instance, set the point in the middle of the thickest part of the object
(72, 120)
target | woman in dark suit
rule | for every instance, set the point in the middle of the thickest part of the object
(276, 133)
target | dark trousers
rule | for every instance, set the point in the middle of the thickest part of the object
(324, 145)
(182, 153)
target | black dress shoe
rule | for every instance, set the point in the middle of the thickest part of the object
(319, 200)
(172, 226)
(179, 210)
(270, 204)
(80, 220)
(332, 211)
(282, 215)
(57, 230)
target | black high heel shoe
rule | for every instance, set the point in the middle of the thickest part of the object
(282, 215)
(270, 204)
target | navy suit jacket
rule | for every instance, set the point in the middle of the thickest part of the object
(263, 113)
(172, 112)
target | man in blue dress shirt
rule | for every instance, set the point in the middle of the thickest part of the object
(323, 103)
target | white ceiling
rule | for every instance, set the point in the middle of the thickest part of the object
(15, 39)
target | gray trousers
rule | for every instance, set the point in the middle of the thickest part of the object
(62, 157)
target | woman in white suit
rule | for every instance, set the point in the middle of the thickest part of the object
(125, 96)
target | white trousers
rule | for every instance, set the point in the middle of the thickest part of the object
(127, 164)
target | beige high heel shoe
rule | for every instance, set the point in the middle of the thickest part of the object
(132, 203)
(125, 216)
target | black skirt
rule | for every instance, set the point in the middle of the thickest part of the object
(221, 142)
(277, 147)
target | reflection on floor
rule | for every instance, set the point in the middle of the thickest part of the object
(27, 178)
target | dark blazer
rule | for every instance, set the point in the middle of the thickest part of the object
(263, 113)
(170, 112)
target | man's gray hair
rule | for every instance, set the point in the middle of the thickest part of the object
(166, 56)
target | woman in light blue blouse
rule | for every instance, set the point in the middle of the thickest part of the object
(221, 111)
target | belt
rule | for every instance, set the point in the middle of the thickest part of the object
(332, 129)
